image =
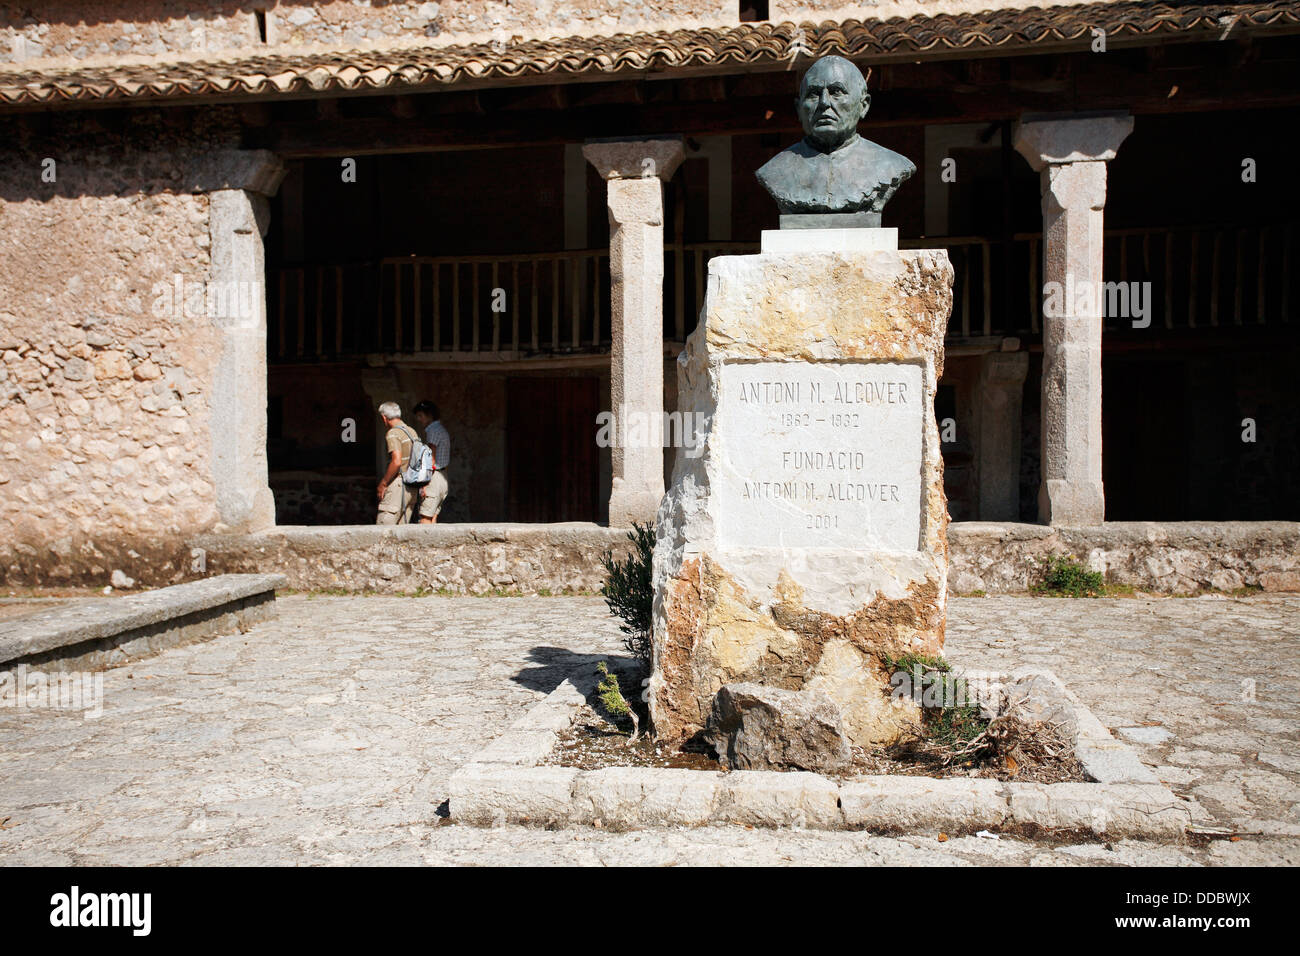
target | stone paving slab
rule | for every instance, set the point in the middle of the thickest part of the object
(330, 734)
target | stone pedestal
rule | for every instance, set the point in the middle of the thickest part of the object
(1071, 155)
(805, 542)
(634, 171)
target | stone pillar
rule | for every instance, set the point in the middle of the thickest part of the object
(997, 434)
(1071, 154)
(238, 183)
(634, 171)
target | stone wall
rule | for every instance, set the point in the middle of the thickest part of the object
(1170, 558)
(1174, 558)
(90, 30)
(105, 452)
(82, 30)
(461, 559)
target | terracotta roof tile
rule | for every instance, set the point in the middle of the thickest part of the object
(751, 45)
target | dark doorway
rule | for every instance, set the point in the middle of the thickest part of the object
(1144, 437)
(552, 467)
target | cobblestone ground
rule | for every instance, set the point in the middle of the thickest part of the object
(329, 735)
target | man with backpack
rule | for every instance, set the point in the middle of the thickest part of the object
(410, 466)
(437, 438)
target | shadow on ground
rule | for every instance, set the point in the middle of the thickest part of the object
(554, 665)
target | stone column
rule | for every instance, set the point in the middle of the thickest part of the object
(997, 434)
(634, 171)
(238, 183)
(1071, 154)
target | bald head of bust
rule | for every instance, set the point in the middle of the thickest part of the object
(832, 100)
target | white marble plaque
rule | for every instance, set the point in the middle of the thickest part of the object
(820, 455)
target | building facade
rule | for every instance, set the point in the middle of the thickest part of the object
(226, 237)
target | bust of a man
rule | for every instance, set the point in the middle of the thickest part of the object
(833, 169)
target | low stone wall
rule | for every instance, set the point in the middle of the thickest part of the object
(96, 633)
(1170, 558)
(1166, 557)
(461, 559)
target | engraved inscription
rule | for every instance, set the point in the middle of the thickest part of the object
(820, 455)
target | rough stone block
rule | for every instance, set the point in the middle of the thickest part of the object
(1113, 762)
(523, 748)
(768, 798)
(1117, 810)
(764, 728)
(635, 158)
(626, 797)
(919, 804)
(494, 795)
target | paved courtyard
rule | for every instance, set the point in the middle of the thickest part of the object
(328, 736)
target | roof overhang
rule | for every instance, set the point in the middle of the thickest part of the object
(748, 47)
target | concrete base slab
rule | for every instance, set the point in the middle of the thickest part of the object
(507, 784)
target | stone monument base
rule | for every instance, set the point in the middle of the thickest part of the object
(805, 544)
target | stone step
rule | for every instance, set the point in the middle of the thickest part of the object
(94, 633)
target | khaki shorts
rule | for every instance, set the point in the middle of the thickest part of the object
(435, 494)
(398, 504)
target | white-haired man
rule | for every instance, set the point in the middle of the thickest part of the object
(396, 501)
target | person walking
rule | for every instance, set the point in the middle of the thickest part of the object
(436, 436)
(397, 503)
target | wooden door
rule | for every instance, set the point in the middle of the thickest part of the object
(552, 467)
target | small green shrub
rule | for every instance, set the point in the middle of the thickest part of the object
(629, 593)
(950, 717)
(612, 699)
(1065, 577)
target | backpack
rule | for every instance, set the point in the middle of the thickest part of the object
(419, 469)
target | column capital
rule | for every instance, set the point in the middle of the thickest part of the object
(647, 158)
(1055, 141)
(253, 170)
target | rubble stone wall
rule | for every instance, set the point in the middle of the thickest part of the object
(105, 452)
(1176, 557)
(1166, 558)
(83, 31)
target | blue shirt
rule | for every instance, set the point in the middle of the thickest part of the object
(438, 438)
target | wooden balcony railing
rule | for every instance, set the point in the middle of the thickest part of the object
(558, 302)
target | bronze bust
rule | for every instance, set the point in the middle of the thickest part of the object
(833, 170)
